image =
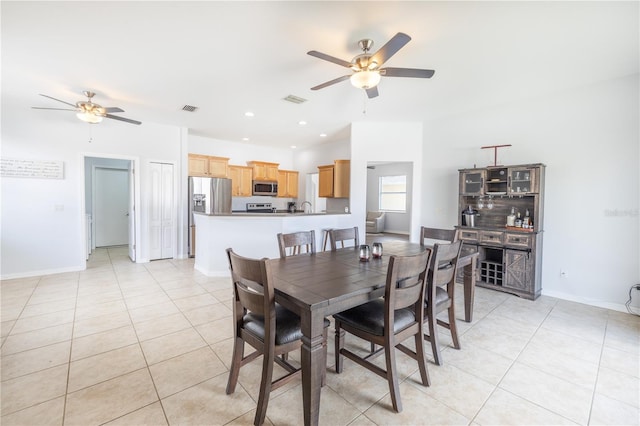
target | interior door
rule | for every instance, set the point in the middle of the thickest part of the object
(161, 212)
(111, 207)
(131, 213)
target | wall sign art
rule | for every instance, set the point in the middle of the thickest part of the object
(21, 168)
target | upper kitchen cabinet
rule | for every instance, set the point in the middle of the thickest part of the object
(334, 179)
(208, 166)
(287, 183)
(241, 177)
(264, 171)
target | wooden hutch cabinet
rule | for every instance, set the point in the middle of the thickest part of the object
(510, 257)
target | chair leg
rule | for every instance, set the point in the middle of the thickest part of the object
(339, 344)
(236, 361)
(265, 387)
(422, 359)
(433, 338)
(392, 376)
(453, 327)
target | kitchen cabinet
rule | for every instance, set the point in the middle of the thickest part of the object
(263, 171)
(208, 166)
(510, 258)
(241, 177)
(334, 180)
(287, 183)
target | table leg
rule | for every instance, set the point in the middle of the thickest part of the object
(312, 359)
(469, 288)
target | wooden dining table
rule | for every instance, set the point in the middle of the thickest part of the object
(318, 285)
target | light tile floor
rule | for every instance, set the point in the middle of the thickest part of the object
(134, 344)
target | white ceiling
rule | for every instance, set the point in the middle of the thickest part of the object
(151, 58)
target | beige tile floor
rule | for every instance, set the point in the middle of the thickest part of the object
(133, 344)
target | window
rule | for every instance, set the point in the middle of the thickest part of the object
(393, 193)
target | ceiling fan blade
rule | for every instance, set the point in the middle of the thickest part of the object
(57, 109)
(372, 92)
(406, 72)
(113, 109)
(388, 50)
(126, 120)
(329, 83)
(46, 96)
(326, 57)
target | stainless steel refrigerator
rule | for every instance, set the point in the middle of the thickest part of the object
(209, 196)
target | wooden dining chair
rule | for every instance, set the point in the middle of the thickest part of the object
(300, 243)
(440, 295)
(389, 321)
(280, 333)
(297, 243)
(426, 233)
(341, 235)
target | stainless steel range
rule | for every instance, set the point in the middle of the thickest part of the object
(260, 208)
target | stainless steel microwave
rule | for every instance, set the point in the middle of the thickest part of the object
(265, 188)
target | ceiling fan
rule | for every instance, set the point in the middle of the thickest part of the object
(366, 66)
(90, 112)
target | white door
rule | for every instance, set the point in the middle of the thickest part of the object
(131, 216)
(161, 211)
(111, 207)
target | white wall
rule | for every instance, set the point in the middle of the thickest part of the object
(395, 222)
(589, 140)
(394, 142)
(42, 219)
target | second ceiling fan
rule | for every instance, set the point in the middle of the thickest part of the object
(366, 66)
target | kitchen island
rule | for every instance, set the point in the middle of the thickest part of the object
(254, 235)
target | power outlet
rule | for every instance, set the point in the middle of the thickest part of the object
(564, 273)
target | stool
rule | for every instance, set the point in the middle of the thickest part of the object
(325, 238)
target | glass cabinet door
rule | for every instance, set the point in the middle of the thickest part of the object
(471, 182)
(522, 180)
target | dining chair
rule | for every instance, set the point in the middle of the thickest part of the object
(389, 321)
(449, 235)
(441, 281)
(297, 243)
(341, 235)
(280, 333)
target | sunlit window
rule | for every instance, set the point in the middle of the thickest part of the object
(393, 193)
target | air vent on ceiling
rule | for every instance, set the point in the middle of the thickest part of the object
(190, 108)
(294, 99)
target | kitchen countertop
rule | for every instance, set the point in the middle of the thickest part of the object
(267, 215)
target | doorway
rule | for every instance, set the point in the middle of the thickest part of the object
(398, 212)
(109, 204)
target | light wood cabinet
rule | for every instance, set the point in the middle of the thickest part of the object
(241, 177)
(335, 179)
(264, 171)
(208, 166)
(287, 183)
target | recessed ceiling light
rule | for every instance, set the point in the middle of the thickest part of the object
(245, 139)
(302, 123)
(323, 135)
(293, 147)
(249, 114)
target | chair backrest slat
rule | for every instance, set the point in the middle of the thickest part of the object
(406, 276)
(444, 263)
(449, 235)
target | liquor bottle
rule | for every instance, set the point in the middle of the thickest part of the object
(527, 220)
(511, 219)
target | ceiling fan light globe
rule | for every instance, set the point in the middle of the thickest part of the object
(87, 117)
(365, 79)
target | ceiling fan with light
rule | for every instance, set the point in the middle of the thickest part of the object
(366, 66)
(90, 112)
